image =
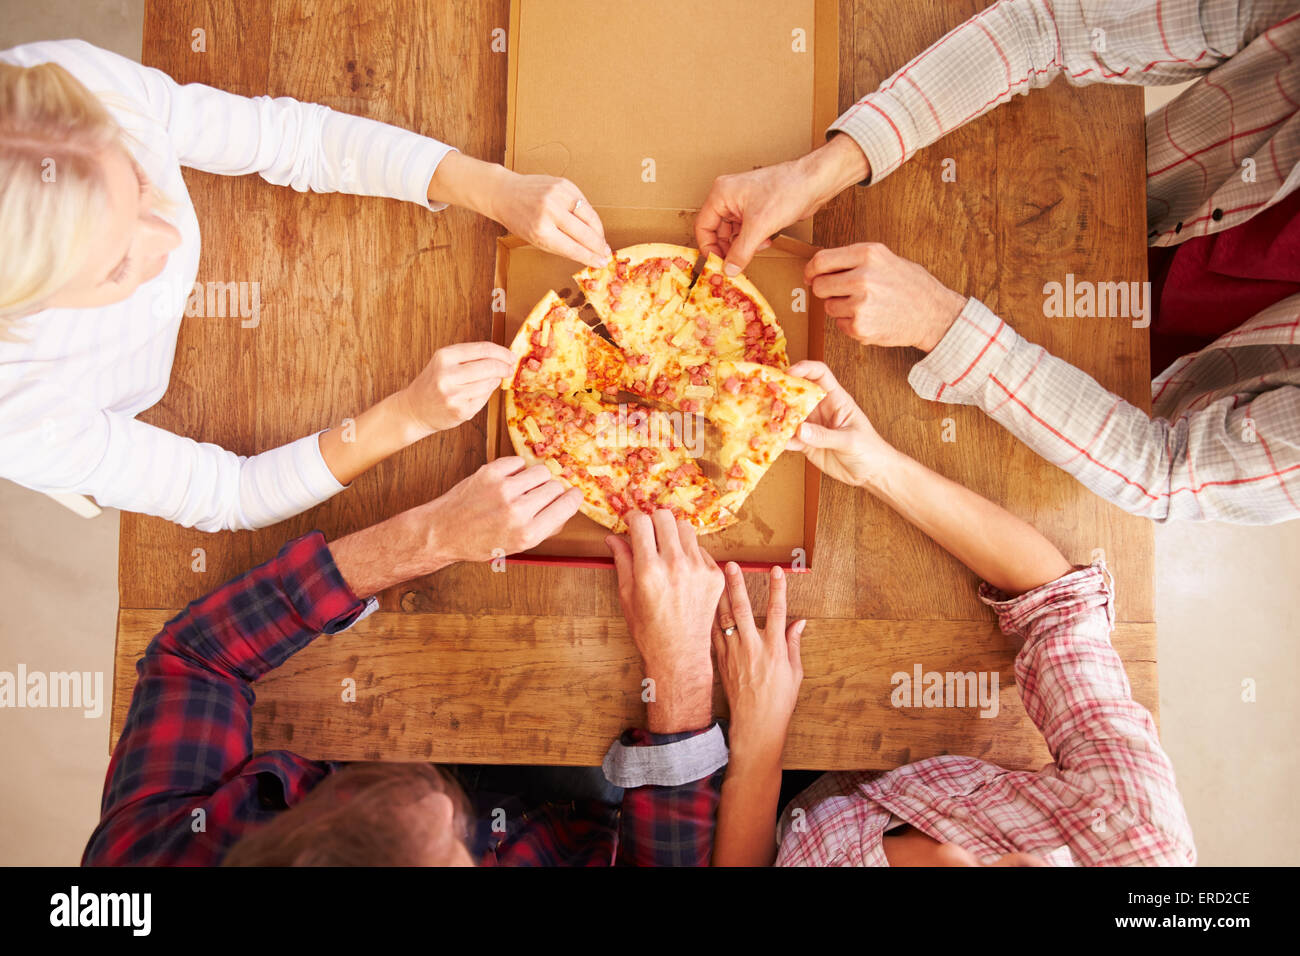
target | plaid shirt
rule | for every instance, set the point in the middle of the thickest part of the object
(184, 784)
(1109, 797)
(1225, 440)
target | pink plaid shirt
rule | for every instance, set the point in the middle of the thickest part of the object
(1108, 799)
(1224, 443)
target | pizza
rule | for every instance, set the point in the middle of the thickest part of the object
(757, 409)
(637, 296)
(711, 348)
(674, 334)
(557, 351)
(621, 457)
(641, 287)
(728, 318)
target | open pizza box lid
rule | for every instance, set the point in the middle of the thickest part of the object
(610, 95)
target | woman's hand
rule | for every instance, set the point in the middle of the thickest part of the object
(760, 670)
(455, 384)
(452, 388)
(548, 211)
(879, 298)
(552, 214)
(837, 437)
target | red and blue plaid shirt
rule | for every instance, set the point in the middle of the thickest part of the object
(184, 784)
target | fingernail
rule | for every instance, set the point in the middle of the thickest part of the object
(732, 269)
(777, 572)
(733, 568)
(798, 628)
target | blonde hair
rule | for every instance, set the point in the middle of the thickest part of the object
(52, 131)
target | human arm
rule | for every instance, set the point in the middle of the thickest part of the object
(668, 588)
(1229, 460)
(999, 547)
(1111, 778)
(1233, 458)
(189, 727)
(453, 386)
(309, 146)
(1110, 795)
(61, 442)
(1009, 48)
(761, 672)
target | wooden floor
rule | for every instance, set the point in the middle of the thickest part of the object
(535, 665)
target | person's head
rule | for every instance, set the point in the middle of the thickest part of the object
(77, 221)
(368, 814)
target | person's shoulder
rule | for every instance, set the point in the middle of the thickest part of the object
(98, 69)
(66, 52)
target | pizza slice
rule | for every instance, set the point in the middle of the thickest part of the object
(640, 289)
(683, 380)
(557, 351)
(758, 409)
(621, 457)
(728, 318)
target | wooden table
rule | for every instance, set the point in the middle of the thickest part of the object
(535, 665)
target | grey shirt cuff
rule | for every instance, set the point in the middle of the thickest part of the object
(666, 765)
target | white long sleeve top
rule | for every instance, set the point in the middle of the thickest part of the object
(70, 390)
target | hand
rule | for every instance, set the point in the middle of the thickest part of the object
(880, 298)
(838, 437)
(669, 588)
(760, 671)
(743, 210)
(504, 505)
(544, 210)
(455, 384)
(552, 214)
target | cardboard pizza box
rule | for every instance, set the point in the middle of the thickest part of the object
(612, 96)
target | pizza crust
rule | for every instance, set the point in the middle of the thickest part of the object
(521, 344)
(658, 250)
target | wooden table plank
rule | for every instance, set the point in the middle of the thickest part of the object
(357, 293)
(510, 688)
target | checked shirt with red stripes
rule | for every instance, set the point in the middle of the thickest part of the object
(1224, 440)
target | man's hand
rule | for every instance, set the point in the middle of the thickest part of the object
(761, 670)
(504, 505)
(455, 384)
(880, 298)
(669, 588)
(838, 437)
(743, 210)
